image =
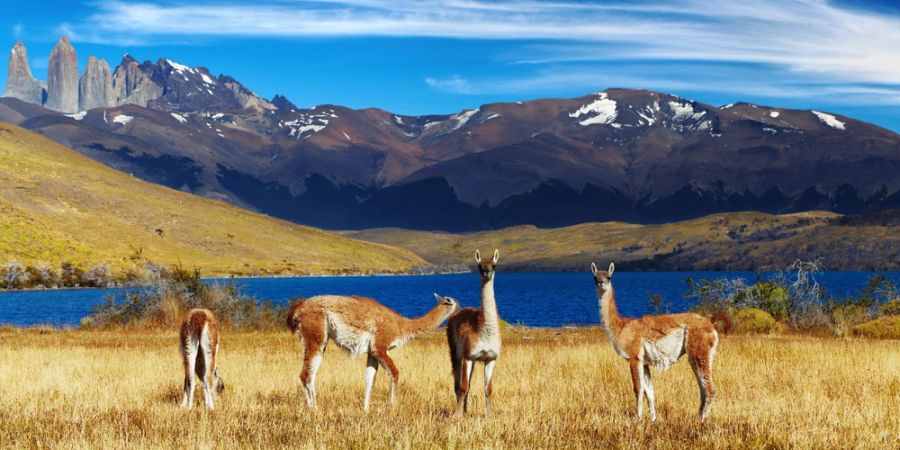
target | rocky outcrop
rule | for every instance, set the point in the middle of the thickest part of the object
(62, 78)
(133, 85)
(246, 98)
(282, 102)
(95, 90)
(19, 82)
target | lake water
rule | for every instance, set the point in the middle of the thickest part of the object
(535, 299)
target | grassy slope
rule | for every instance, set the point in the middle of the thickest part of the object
(560, 388)
(736, 241)
(57, 205)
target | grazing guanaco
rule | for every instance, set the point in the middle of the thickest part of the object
(199, 345)
(358, 325)
(474, 335)
(658, 341)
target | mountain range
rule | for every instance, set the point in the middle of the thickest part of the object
(621, 154)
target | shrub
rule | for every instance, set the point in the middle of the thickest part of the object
(847, 315)
(883, 328)
(891, 308)
(178, 290)
(755, 320)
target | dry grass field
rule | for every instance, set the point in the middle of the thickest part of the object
(554, 388)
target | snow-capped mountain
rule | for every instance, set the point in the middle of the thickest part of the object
(618, 154)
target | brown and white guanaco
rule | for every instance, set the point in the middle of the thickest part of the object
(658, 341)
(199, 345)
(358, 325)
(474, 335)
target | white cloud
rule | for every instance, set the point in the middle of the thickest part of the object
(18, 30)
(454, 85)
(814, 39)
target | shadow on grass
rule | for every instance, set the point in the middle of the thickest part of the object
(170, 395)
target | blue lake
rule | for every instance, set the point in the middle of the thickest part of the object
(535, 299)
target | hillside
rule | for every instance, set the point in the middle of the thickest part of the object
(617, 155)
(57, 205)
(729, 241)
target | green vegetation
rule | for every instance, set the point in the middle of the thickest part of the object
(794, 300)
(57, 206)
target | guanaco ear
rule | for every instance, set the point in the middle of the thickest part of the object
(594, 268)
(612, 268)
(496, 255)
(477, 256)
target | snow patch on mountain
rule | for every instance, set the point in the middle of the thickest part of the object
(830, 120)
(206, 78)
(462, 118)
(180, 68)
(309, 123)
(685, 111)
(774, 114)
(179, 117)
(122, 119)
(601, 111)
(77, 116)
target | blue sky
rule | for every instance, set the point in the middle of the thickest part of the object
(416, 57)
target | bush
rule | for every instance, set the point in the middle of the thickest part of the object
(883, 328)
(891, 308)
(848, 315)
(175, 292)
(755, 320)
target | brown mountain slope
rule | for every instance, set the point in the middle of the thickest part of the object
(57, 205)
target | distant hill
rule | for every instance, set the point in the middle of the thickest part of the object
(727, 241)
(57, 205)
(621, 154)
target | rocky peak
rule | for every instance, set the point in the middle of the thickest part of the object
(281, 102)
(134, 84)
(95, 89)
(20, 83)
(62, 77)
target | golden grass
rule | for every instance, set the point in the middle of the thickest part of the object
(555, 388)
(57, 205)
(732, 241)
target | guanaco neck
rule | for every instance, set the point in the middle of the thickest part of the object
(612, 321)
(429, 321)
(489, 305)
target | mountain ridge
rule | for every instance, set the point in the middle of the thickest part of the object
(618, 154)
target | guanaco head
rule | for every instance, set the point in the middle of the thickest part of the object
(603, 278)
(486, 268)
(449, 304)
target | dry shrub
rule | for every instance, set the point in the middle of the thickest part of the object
(884, 328)
(755, 320)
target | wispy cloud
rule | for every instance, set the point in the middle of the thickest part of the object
(454, 85)
(18, 30)
(813, 40)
